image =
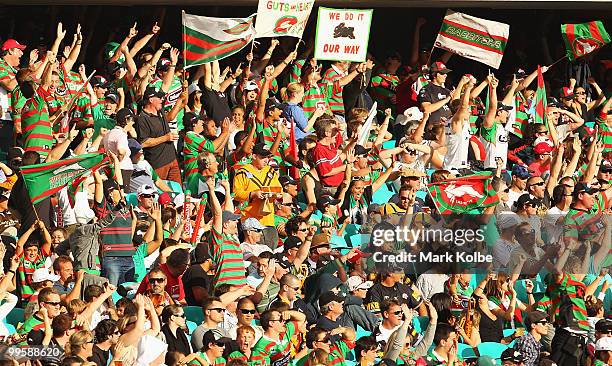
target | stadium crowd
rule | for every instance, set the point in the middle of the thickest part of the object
(234, 224)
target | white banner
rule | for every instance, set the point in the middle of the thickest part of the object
(282, 18)
(343, 34)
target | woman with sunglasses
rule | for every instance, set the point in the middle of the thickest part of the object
(80, 345)
(173, 330)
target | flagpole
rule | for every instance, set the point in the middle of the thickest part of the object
(184, 47)
(251, 53)
(556, 62)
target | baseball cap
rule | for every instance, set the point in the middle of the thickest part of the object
(566, 93)
(552, 102)
(190, 118)
(165, 199)
(603, 325)
(252, 224)
(115, 66)
(292, 242)
(361, 151)
(527, 198)
(543, 148)
(534, 317)
(230, 216)
(11, 43)
(358, 255)
(99, 81)
(163, 64)
(193, 88)
(328, 297)
(15, 153)
(508, 219)
(584, 188)
(439, 67)
(409, 172)
(357, 283)
(285, 180)
(272, 103)
(326, 200)
(146, 189)
(512, 355)
(520, 171)
(486, 361)
(43, 274)
(251, 85)
(502, 107)
(409, 115)
(214, 336)
(520, 74)
(390, 209)
(112, 96)
(151, 92)
(603, 344)
(282, 261)
(134, 146)
(261, 149)
(605, 167)
(123, 114)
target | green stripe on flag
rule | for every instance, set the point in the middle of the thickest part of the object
(474, 37)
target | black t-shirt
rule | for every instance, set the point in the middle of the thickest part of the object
(152, 126)
(195, 276)
(19, 200)
(99, 356)
(490, 330)
(35, 338)
(215, 104)
(399, 292)
(433, 93)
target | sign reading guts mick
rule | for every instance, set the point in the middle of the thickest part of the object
(277, 18)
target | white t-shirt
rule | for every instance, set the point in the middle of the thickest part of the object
(458, 147)
(495, 140)
(501, 252)
(385, 333)
(117, 139)
(552, 224)
(431, 283)
(513, 196)
(5, 105)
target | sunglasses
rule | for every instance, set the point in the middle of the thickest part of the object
(580, 93)
(530, 232)
(52, 303)
(507, 190)
(399, 312)
(539, 184)
(326, 339)
(248, 311)
(294, 288)
(220, 344)
(541, 132)
(411, 152)
(542, 322)
(157, 280)
(216, 309)
(303, 230)
(180, 315)
(146, 196)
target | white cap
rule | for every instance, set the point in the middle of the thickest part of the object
(149, 349)
(251, 85)
(193, 88)
(507, 219)
(252, 224)
(604, 344)
(357, 283)
(410, 114)
(42, 274)
(146, 189)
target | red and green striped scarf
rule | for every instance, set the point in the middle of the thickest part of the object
(575, 292)
(522, 117)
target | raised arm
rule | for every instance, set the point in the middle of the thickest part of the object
(144, 40)
(215, 206)
(489, 118)
(74, 50)
(131, 34)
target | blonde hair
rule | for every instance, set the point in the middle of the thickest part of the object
(77, 340)
(291, 90)
(318, 357)
(76, 307)
(357, 114)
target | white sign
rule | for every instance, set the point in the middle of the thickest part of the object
(282, 18)
(343, 34)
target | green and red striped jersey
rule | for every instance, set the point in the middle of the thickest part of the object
(566, 293)
(30, 324)
(116, 239)
(336, 103)
(337, 354)
(383, 91)
(36, 126)
(228, 258)
(584, 225)
(268, 133)
(605, 133)
(219, 361)
(271, 352)
(522, 117)
(194, 145)
(24, 273)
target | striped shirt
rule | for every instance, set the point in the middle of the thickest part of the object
(586, 225)
(116, 238)
(383, 90)
(605, 131)
(336, 103)
(36, 126)
(25, 271)
(194, 144)
(567, 297)
(270, 352)
(17, 100)
(337, 353)
(219, 361)
(269, 132)
(228, 258)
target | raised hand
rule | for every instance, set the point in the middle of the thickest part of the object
(34, 55)
(133, 31)
(274, 42)
(60, 32)
(174, 54)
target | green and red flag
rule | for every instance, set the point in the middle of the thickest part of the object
(478, 39)
(206, 39)
(539, 101)
(463, 194)
(44, 180)
(584, 38)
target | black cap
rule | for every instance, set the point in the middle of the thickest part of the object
(112, 96)
(285, 180)
(214, 336)
(605, 168)
(328, 297)
(603, 326)
(15, 153)
(151, 92)
(326, 200)
(123, 114)
(99, 81)
(163, 64)
(292, 242)
(552, 102)
(583, 188)
(527, 198)
(261, 149)
(282, 261)
(534, 317)
(114, 66)
(512, 355)
(502, 107)
(272, 103)
(109, 185)
(190, 118)
(360, 150)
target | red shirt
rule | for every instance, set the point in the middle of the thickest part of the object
(174, 285)
(327, 158)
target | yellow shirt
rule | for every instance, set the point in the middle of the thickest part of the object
(249, 179)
